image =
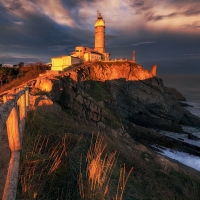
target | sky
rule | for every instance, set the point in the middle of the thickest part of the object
(163, 32)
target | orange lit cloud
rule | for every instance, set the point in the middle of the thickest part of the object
(171, 16)
(53, 9)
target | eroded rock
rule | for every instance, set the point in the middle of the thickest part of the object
(134, 93)
(166, 165)
(141, 149)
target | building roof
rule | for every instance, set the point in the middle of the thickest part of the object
(92, 51)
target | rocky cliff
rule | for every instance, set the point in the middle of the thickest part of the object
(127, 89)
(122, 102)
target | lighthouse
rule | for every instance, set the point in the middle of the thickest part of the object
(99, 45)
(98, 53)
(99, 34)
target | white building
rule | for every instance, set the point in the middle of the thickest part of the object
(61, 62)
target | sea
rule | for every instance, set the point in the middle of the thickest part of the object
(189, 86)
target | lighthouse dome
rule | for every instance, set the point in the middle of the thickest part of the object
(99, 21)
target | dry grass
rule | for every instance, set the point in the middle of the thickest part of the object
(40, 163)
(100, 165)
(98, 171)
(61, 160)
(51, 168)
(122, 182)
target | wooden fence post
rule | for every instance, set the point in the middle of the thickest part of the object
(10, 188)
(15, 126)
(22, 106)
(27, 99)
(12, 124)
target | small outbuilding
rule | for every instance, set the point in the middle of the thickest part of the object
(61, 62)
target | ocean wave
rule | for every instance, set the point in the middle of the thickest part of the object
(184, 137)
(182, 157)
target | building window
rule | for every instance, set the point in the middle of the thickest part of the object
(77, 50)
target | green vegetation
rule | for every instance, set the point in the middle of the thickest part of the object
(64, 156)
(98, 92)
(58, 162)
(13, 77)
(63, 159)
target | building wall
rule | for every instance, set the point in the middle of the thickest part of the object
(99, 39)
(90, 56)
(57, 64)
(75, 60)
(106, 56)
(60, 63)
(87, 56)
(79, 51)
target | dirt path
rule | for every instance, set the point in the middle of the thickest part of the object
(4, 159)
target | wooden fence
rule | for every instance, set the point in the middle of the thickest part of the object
(13, 113)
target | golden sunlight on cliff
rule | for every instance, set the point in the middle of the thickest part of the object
(45, 85)
(112, 71)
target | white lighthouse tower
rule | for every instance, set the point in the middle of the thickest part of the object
(100, 36)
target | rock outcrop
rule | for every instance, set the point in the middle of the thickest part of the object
(172, 92)
(165, 164)
(129, 90)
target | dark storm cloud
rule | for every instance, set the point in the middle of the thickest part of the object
(136, 3)
(192, 11)
(110, 37)
(39, 29)
(13, 5)
(74, 3)
(36, 36)
(194, 25)
(152, 17)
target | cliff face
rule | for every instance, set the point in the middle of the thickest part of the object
(119, 101)
(126, 89)
(101, 71)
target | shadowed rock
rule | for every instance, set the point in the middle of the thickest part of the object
(126, 88)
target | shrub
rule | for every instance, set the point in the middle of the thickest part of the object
(14, 77)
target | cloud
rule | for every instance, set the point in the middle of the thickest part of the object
(15, 55)
(136, 3)
(56, 11)
(140, 43)
(53, 9)
(191, 54)
(58, 47)
(51, 28)
(75, 3)
(12, 5)
(110, 37)
(192, 11)
(19, 23)
(194, 26)
(152, 17)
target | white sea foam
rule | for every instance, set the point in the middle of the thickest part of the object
(183, 136)
(182, 157)
(195, 109)
(194, 130)
(189, 86)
